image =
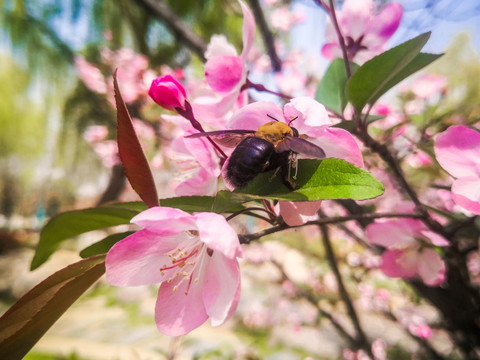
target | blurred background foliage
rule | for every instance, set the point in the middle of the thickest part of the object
(45, 108)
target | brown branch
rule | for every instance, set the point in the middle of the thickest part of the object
(360, 334)
(341, 40)
(266, 35)
(180, 30)
(246, 239)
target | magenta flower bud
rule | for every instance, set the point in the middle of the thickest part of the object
(168, 92)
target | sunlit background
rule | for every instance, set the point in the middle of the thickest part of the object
(47, 165)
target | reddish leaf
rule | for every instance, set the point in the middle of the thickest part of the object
(133, 159)
(35, 312)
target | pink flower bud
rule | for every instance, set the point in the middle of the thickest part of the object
(168, 92)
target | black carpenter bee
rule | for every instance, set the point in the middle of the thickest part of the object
(274, 146)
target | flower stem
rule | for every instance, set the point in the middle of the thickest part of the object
(259, 87)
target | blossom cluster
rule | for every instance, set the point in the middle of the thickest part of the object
(194, 256)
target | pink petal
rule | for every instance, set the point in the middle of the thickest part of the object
(308, 113)
(253, 115)
(392, 264)
(431, 267)
(384, 24)
(177, 314)
(223, 73)
(466, 193)
(339, 143)
(393, 233)
(331, 51)
(136, 260)
(299, 212)
(221, 288)
(165, 220)
(201, 150)
(355, 16)
(248, 29)
(435, 239)
(212, 109)
(204, 183)
(457, 150)
(218, 235)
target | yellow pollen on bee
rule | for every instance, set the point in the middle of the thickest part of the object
(274, 132)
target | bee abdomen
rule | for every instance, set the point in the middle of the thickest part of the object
(249, 159)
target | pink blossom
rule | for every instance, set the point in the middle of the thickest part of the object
(198, 167)
(95, 133)
(107, 151)
(225, 71)
(168, 92)
(410, 250)
(283, 18)
(457, 150)
(428, 85)
(365, 32)
(193, 257)
(91, 76)
(298, 212)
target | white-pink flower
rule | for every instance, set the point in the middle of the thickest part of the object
(198, 167)
(364, 31)
(225, 71)
(410, 250)
(457, 149)
(193, 257)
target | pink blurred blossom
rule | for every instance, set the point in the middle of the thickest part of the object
(365, 32)
(95, 133)
(108, 152)
(90, 75)
(410, 250)
(428, 85)
(283, 18)
(193, 257)
(457, 150)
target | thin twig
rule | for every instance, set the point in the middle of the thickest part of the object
(246, 239)
(302, 294)
(361, 337)
(341, 40)
(266, 35)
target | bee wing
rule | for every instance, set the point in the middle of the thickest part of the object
(300, 146)
(227, 138)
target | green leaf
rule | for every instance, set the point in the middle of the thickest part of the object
(76, 222)
(35, 312)
(317, 180)
(331, 91)
(189, 203)
(102, 246)
(378, 75)
(227, 201)
(130, 151)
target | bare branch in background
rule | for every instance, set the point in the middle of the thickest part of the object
(180, 30)
(266, 35)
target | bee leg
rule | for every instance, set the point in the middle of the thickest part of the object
(275, 173)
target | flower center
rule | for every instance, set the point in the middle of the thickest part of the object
(185, 262)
